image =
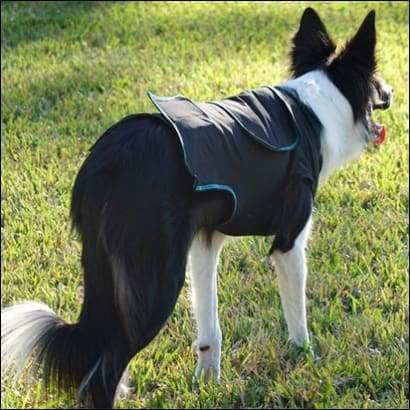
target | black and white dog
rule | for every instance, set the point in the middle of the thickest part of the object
(146, 197)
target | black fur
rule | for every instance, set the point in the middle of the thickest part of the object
(311, 45)
(352, 70)
(136, 213)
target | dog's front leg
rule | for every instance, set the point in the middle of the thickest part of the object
(203, 261)
(292, 271)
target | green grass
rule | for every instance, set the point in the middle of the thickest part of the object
(70, 70)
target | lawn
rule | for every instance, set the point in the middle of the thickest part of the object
(72, 69)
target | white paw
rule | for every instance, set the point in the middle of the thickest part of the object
(124, 391)
(209, 367)
(209, 358)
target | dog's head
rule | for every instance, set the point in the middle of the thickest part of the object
(352, 69)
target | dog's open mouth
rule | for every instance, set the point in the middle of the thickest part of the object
(380, 133)
(377, 132)
(381, 100)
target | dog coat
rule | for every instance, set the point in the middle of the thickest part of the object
(262, 147)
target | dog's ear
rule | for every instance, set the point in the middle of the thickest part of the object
(352, 70)
(359, 52)
(312, 44)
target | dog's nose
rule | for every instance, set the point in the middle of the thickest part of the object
(389, 97)
(386, 102)
(387, 94)
(385, 97)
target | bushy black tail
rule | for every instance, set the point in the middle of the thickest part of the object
(129, 207)
(65, 354)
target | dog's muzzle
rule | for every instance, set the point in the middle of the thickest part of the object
(383, 95)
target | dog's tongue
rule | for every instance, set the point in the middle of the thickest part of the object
(381, 137)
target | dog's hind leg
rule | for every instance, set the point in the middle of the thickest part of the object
(292, 272)
(203, 263)
(137, 299)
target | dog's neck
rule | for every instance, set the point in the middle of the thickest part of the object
(342, 139)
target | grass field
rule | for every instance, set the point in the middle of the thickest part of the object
(72, 69)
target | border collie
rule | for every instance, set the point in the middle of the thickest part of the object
(147, 196)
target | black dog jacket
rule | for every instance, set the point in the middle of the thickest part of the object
(262, 147)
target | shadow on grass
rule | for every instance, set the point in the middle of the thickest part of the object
(223, 32)
(25, 22)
